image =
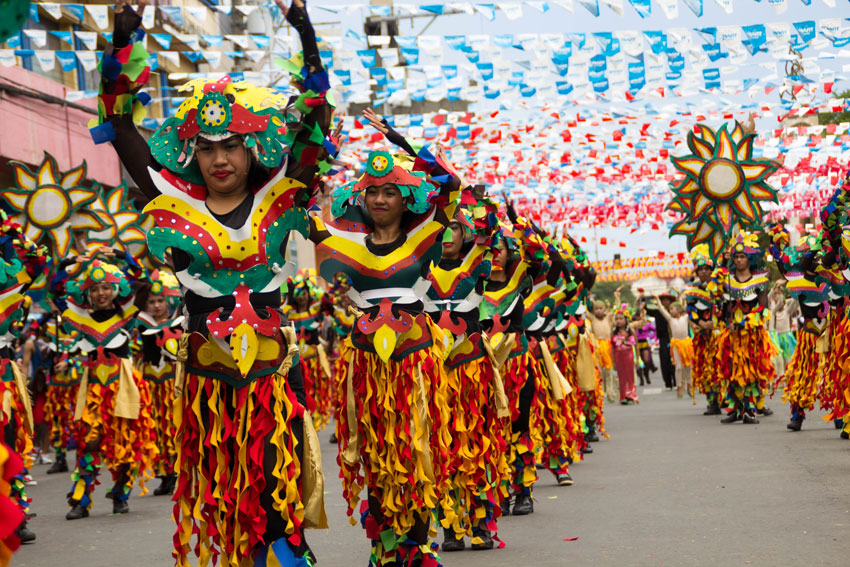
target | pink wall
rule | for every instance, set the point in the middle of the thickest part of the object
(29, 127)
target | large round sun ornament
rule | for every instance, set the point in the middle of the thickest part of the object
(125, 226)
(722, 188)
(51, 205)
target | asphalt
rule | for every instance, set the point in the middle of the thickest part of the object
(671, 487)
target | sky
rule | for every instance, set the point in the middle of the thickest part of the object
(557, 20)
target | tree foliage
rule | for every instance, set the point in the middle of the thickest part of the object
(836, 117)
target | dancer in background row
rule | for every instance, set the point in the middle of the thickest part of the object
(680, 344)
(623, 342)
(782, 311)
(160, 326)
(601, 323)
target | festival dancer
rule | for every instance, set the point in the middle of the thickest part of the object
(160, 325)
(680, 343)
(21, 261)
(63, 383)
(662, 331)
(643, 335)
(228, 184)
(113, 401)
(477, 399)
(601, 324)
(802, 378)
(393, 425)
(746, 349)
(702, 315)
(304, 308)
(782, 310)
(623, 344)
(501, 315)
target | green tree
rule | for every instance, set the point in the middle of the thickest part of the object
(604, 291)
(836, 117)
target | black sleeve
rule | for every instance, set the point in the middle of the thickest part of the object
(134, 153)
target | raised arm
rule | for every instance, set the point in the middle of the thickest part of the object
(661, 309)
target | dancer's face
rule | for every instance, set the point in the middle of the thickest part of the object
(156, 306)
(619, 321)
(451, 248)
(385, 204)
(704, 273)
(101, 295)
(741, 261)
(224, 165)
(501, 258)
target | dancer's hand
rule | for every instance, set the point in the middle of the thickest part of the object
(375, 121)
(127, 20)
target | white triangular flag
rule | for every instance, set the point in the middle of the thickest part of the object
(726, 5)
(225, 9)
(198, 13)
(240, 40)
(46, 59)
(89, 39)
(53, 9)
(512, 10)
(88, 59)
(670, 8)
(615, 5)
(7, 57)
(255, 55)
(38, 37)
(100, 15)
(148, 18)
(213, 58)
(779, 6)
(247, 10)
(172, 57)
(191, 40)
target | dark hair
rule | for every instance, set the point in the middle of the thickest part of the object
(258, 174)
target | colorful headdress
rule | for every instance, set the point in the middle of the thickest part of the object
(96, 272)
(700, 256)
(746, 243)
(382, 167)
(305, 281)
(624, 310)
(165, 284)
(722, 188)
(217, 110)
(478, 214)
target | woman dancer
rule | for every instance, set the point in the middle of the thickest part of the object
(477, 397)
(623, 346)
(393, 424)
(746, 349)
(113, 401)
(228, 186)
(160, 327)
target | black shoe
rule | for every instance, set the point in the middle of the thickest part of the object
(795, 424)
(713, 409)
(486, 540)
(167, 486)
(76, 513)
(765, 411)
(587, 449)
(564, 479)
(333, 439)
(506, 506)
(60, 466)
(24, 534)
(844, 435)
(591, 436)
(750, 418)
(839, 423)
(120, 507)
(524, 505)
(452, 542)
(731, 418)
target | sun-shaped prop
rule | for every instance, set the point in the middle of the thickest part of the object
(123, 223)
(723, 187)
(51, 205)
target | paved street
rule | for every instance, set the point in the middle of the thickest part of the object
(671, 487)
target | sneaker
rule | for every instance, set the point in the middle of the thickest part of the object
(29, 480)
(591, 436)
(76, 513)
(60, 466)
(24, 533)
(712, 409)
(120, 507)
(452, 542)
(481, 539)
(750, 419)
(506, 506)
(564, 479)
(795, 424)
(765, 411)
(524, 505)
(587, 449)
(731, 418)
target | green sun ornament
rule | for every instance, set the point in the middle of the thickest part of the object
(125, 225)
(722, 189)
(380, 163)
(51, 205)
(214, 113)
